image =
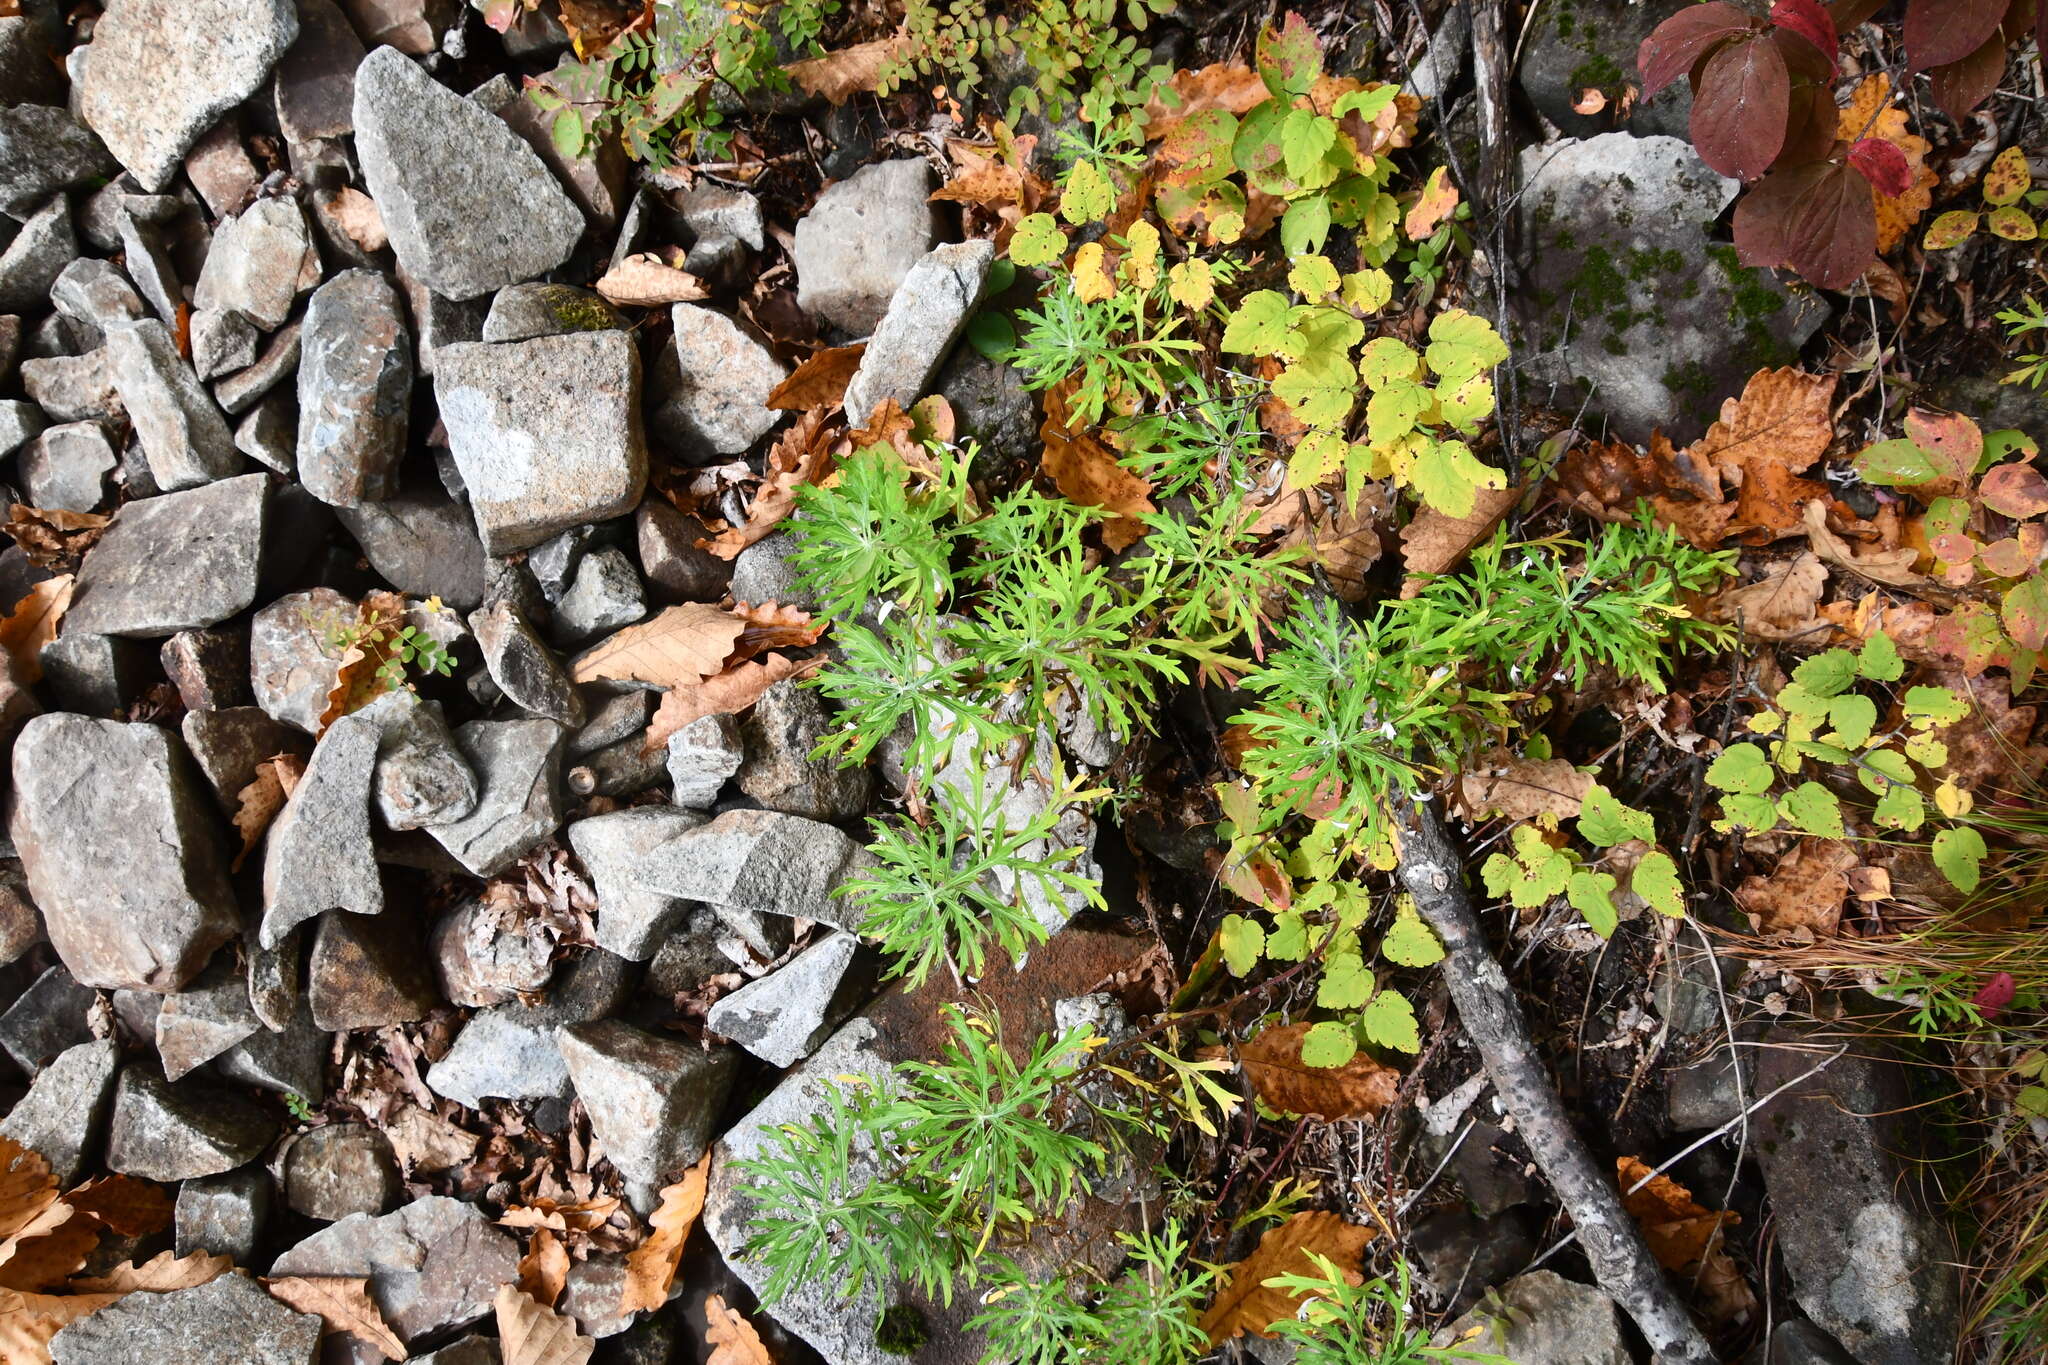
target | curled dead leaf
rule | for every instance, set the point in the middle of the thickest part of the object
(33, 624)
(1434, 542)
(544, 1269)
(258, 803)
(1780, 425)
(1520, 788)
(820, 381)
(651, 1266)
(1782, 605)
(732, 1338)
(51, 537)
(1247, 1304)
(725, 693)
(27, 1186)
(1272, 1063)
(798, 458)
(160, 1274)
(529, 1334)
(646, 281)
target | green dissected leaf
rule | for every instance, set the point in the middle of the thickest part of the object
(1409, 942)
(1088, 194)
(1305, 226)
(1959, 853)
(1448, 476)
(1897, 463)
(1933, 706)
(1388, 360)
(1305, 137)
(1244, 943)
(1038, 241)
(1389, 1022)
(1814, 809)
(1605, 822)
(1740, 768)
(1313, 277)
(1879, 659)
(1826, 674)
(1852, 718)
(1259, 324)
(1328, 1044)
(1656, 881)
(1755, 813)
(1592, 895)
(1463, 344)
(1346, 983)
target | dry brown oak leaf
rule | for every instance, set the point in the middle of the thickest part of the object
(1247, 1304)
(342, 1304)
(1272, 1063)
(1764, 440)
(651, 1266)
(529, 1334)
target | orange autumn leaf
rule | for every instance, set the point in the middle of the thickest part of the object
(1677, 1228)
(774, 626)
(160, 1274)
(725, 693)
(257, 804)
(732, 1338)
(544, 1269)
(125, 1205)
(357, 679)
(1765, 439)
(820, 381)
(1896, 214)
(49, 1249)
(1439, 198)
(651, 1266)
(798, 458)
(28, 1321)
(26, 1186)
(33, 624)
(838, 76)
(678, 648)
(1087, 472)
(1247, 1304)
(343, 1304)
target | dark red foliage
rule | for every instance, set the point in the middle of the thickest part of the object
(1811, 21)
(1818, 218)
(1995, 994)
(1942, 31)
(1883, 165)
(1680, 41)
(1739, 109)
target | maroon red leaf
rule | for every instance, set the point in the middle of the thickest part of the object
(1810, 126)
(1960, 86)
(1818, 218)
(1670, 51)
(1942, 31)
(1811, 21)
(1739, 110)
(1883, 165)
(1847, 14)
(1995, 994)
(1802, 59)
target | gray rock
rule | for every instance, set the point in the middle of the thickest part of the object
(468, 205)
(37, 256)
(1591, 45)
(163, 71)
(523, 667)
(21, 924)
(1838, 1159)
(758, 860)
(72, 388)
(101, 213)
(290, 1061)
(179, 426)
(66, 467)
(341, 1169)
(229, 1318)
(223, 1215)
(780, 732)
(175, 562)
(712, 211)
(554, 561)
(1606, 225)
(593, 1293)
(1458, 1256)
(1550, 1321)
(631, 921)
(926, 316)
(122, 850)
(422, 544)
(277, 985)
(624, 769)
(150, 266)
(438, 321)
(178, 1132)
(46, 1019)
(221, 342)
(606, 596)
(434, 1265)
(259, 264)
(227, 746)
(269, 434)
(521, 312)
(316, 79)
(421, 778)
(652, 1101)
(355, 386)
(367, 972)
(318, 854)
(861, 239)
(520, 763)
(208, 1017)
(414, 27)
(240, 391)
(19, 423)
(1798, 1342)
(220, 169)
(546, 432)
(783, 1017)
(676, 569)
(622, 711)
(468, 1351)
(44, 151)
(61, 1115)
(484, 956)
(763, 573)
(27, 44)
(210, 668)
(93, 296)
(711, 387)
(295, 654)
(501, 1053)
(96, 675)
(1444, 59)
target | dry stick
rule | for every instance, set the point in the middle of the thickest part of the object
(1433, 871)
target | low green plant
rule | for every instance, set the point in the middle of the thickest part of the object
(1068, 50)
(1342, 1323)
(1539, 869)
(1147, 1315)
(384, 635)
(2022, 321)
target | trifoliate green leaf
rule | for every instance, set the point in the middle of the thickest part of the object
(1088, 194)
(1592, 895)
(1365, 103)
(1305, 136)
(1852, 716)
(1389, 1022)
(1656, 881)
(1323, 336)
(1605, 822)
(1037, 240)
(1740, 768)
(1346, 983)
(1328, 1044)
(1466, 405)
(1448, 476)
(1803, 703)
(1814, 809)
(1879, 659)
(1959, 853)
(1409, 942)
(1258, 326)
(1392, 411)
(1755, 813)
(1244, 943)
(1933, 706)
(1826, 674)
(1313, 277)
(1320, 394)
(1498, 874)
(1305, 226)
(1463, 344)
(1927, 751)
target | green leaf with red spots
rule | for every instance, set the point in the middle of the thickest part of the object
(1290, 59)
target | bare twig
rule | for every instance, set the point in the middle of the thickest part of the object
(1433, 872)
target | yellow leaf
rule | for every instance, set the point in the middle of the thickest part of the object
(33, 624)
(1092, 283)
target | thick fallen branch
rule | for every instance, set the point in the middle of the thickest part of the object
(1433, 871)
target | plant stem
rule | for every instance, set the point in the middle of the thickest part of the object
(1433, 871)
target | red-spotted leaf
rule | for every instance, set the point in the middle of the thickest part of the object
(2024, 611)
(1958, 87)
(1811, 21)
(1818, 218)
(1739, 110)
(1289, 59)
(1680, 41)
(2015, 490)
(1883, 165)
(1952, 439)
(1943, 31)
